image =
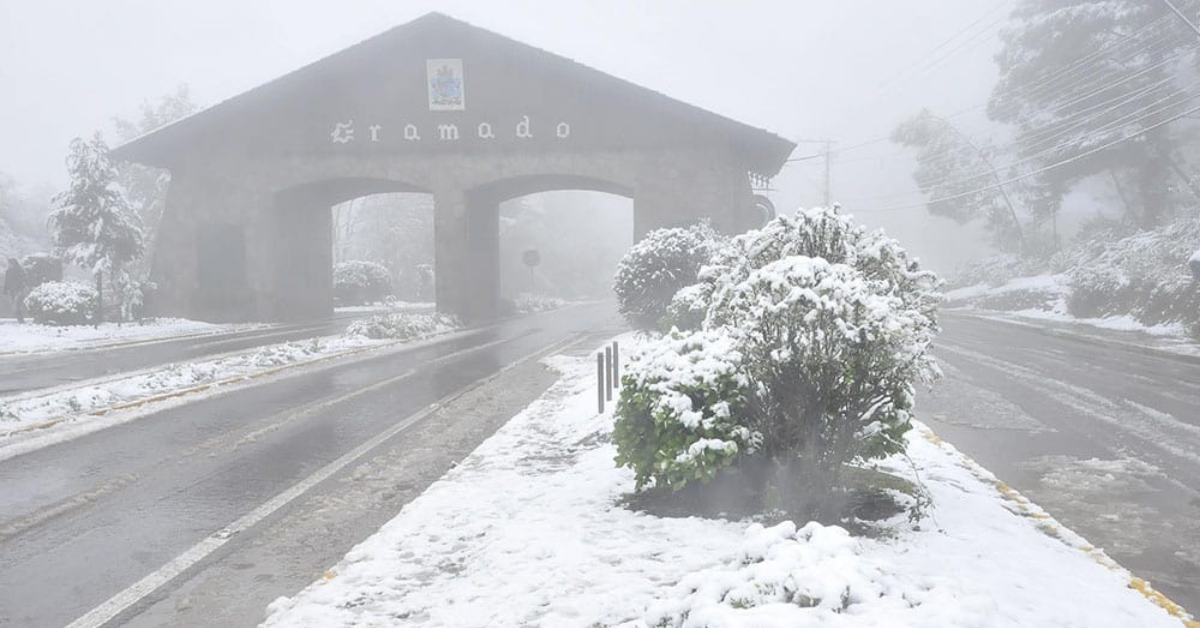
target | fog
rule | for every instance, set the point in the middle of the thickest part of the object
(563, 313)
(845, 71)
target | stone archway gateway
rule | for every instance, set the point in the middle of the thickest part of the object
(435, 106)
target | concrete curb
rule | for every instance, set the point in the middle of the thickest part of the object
(1051, 527)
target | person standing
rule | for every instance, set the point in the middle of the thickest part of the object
(16, 286)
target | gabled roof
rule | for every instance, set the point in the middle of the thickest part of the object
(764, 151)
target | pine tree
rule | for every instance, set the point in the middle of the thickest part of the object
(93, 225)
(1078, 74)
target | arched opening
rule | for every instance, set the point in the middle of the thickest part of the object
(574, 227)
(320, 223)
(576, 236)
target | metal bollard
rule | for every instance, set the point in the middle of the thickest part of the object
(616, 366)
(600, 381)
(608, 372)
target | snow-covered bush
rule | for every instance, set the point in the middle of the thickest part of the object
(526, 303)
(1143, 274)
(657, 267)
(825, 329)
(677, 418)
(815, 576)
(402, 326)
(832, 359)
(357, 282)
(61, 303)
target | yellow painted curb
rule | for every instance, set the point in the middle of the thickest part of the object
(1051, 527)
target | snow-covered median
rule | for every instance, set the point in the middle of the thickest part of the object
(30, 338)
(527, 531)
(43, 409)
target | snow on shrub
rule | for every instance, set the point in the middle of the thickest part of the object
(814, 576)
(61, 303)
(526, 303)
(1143, 274)
(656, 268)
(826, 234)
(402, 326)
(832, 359)
(676, 420)
(824, 326)
(357, 282)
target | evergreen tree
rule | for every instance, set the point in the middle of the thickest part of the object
(1078, 74)
(93, 225)
(957, 175)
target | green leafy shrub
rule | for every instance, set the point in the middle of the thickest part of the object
(677, 418)
(656, 268)
(61, 303)
(813, 336)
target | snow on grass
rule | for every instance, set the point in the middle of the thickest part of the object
(29, 338)
(527, 531)
(1050, 284)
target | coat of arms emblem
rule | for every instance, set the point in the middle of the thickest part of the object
(445, 78)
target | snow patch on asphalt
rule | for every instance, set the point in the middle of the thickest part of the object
(526, 531)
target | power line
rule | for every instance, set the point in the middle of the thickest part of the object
(1039, 171)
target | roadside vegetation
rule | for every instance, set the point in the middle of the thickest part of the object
(792, 360)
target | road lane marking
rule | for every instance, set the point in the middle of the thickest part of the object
(119, 603)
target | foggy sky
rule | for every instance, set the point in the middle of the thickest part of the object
(803, 69)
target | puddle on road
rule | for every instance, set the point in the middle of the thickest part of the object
(1129, 508)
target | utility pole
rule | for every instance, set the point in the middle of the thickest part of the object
(828, 174)
(827, 155)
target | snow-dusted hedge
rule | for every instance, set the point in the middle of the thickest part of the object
(1143, 274)
(657, 267)
(402, 326)
(358, 282)
(819, 332)
(677, 418)
(61, 303)
(815, 576)
(526, 303)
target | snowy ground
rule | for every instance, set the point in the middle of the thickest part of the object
(59, 408)
(394, 306)
(526, 532)
(1056, 291)
(30, 338)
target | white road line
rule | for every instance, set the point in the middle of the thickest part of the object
(118, 603)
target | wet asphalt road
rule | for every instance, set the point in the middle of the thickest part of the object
(83, 520)
(1105, 438)
(24, 373)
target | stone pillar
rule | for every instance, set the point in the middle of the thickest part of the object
(173, 265)
(297, 282)
(467, 256)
